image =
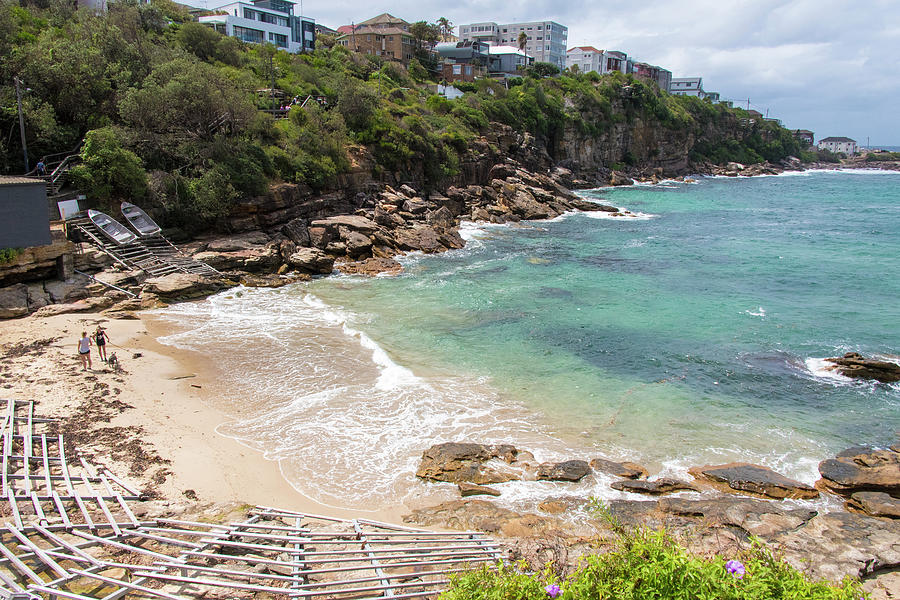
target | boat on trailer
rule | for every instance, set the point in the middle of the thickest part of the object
(140, 220)
(111, 228)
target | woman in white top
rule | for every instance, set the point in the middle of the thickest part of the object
(84, 351)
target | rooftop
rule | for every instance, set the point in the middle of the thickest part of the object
(506, 50)
(376, 31)
(585, 49)
(837, 139)
(383, 18)
(13, 180)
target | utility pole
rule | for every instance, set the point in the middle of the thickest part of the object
(21, 123)
(748, 104)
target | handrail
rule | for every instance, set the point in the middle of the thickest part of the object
(115, 287)
(66, 154)
(56, 174)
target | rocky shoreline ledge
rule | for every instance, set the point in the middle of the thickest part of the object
(741, 502)
(291, 234)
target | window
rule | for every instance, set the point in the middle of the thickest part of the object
(279, 40)
(540, 38)
(468, 69)
(249, 14)
(540, 26)
(457, 69)
(504, 30)
(254, 36)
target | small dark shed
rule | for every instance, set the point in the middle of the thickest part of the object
(24, 218)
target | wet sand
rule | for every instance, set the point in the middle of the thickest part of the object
(154, 422)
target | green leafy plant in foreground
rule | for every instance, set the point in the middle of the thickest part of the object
(650, 564)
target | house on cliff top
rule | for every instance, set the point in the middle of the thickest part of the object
(261, 21)
(386, 36)
(839, 144)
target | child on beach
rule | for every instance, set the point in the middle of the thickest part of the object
(84, 351)
(100, 339)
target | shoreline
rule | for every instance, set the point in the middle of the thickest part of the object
(150, 423)
(158, 425)
(194, 464)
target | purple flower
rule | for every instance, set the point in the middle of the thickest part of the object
(553, 590)
(736, 568)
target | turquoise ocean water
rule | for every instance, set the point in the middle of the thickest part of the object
(690, 335)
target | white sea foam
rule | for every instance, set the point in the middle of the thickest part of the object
(322, 397)
(759, 312)
(821, 368)
(471, 230)
(811, 172)
(392, 375)
(631, 216)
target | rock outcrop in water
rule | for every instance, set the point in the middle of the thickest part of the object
(855, 365)
(456, 462)
(753, 479)
(569, 470)
(626, 470)
(654, 487)
(862, 469)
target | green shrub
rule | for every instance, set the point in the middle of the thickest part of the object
(109, 171)
(9, 254)
(880, 156)
(648, 565)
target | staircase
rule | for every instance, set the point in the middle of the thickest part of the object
(154, 255)
(56, 166)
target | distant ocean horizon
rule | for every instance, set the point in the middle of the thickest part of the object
(691, 334)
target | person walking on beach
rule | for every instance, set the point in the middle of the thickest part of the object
(100, 339)
(84, 351)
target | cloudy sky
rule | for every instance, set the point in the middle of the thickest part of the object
(832, 66)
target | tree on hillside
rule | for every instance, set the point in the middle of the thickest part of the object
(543, 69)
(446, 28)
(523, 40)
(425, 34)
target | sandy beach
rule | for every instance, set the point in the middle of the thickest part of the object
(153, 423)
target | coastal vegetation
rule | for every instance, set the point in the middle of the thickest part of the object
(171, 113)
(882, 156)
(651, 564)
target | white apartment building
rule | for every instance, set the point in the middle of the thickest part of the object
(687, 86)
(546, 41)
(586, 58)
(839, 144)
(260, 21)
(589, 59)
